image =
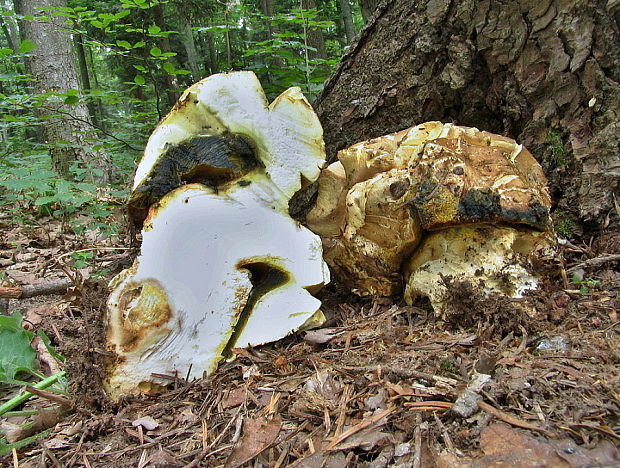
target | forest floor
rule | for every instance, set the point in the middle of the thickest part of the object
(382, 384)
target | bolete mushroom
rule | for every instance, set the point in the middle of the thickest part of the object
(222, 265)
(432, 202)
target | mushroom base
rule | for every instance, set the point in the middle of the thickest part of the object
(495, 259)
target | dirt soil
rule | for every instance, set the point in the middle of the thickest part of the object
(497, 383)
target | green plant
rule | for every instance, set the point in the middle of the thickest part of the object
(558, 150)
(447, 366)
(585, 284)
(18, 361)
(564, 224)
(33, 190)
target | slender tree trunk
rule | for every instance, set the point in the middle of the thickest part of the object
(347, 19)
(10, 38)
(271, 29)
(209, 44)
(35, 132)
(164, 45)
(268, 12)
(51, 65)
(190, 50)
(315, 35)
(546, 73)
(78, 42)
(368, 8)
(99, 109)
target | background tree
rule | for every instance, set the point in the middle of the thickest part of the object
(545, 73)
(67, 126)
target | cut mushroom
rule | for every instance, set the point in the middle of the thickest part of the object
(437, 199)
(222, 265)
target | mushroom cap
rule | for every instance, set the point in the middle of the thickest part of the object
(285, 138)
(375, 204)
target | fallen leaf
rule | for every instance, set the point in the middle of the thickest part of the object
(321, 460)
(34, 315)
(512, 448)
(234, 397)
(258, 434)
(365, 440)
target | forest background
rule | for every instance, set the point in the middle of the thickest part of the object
(83, 84)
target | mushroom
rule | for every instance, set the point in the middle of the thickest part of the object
(222, 265)
(432, 202)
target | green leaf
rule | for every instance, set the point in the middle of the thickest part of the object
(16, 354)
(123, 44)
(156, 52)
(72, 100)
(139, 44)
(5, 52)
(7, 448)
(122, 14)
(154, 29)
(169, 68)
(139, 80)
(26, 46)
(140, 68)
(45, 200)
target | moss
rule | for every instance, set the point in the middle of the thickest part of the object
(564, 224)
(558, 150)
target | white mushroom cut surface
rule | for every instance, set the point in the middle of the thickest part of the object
(221, 265)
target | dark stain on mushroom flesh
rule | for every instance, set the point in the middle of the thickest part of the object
(209, 160)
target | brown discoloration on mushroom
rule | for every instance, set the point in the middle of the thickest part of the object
(376, 204)
(147, 308)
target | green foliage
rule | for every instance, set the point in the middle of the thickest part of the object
(137, 60)
(564, 224)
(558, 150)
(585, 284)
(16, 355)
(447, 366)
(28, 191)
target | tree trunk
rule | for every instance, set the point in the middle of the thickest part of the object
(543, 72)
(190, 50)
(78, 41)
(11, 39)
(52, 67)
(164, 44)
(209, 44)
(368, 8)
(347, 19)
(315, 35)
(268, 12)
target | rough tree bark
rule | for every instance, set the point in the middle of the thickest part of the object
(544, 72)
(52, 68)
